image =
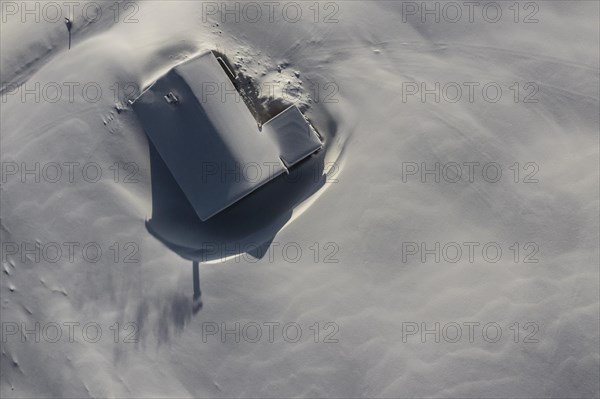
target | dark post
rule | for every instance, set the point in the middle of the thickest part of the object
(197, 303)
(196, 281)
(69, 25)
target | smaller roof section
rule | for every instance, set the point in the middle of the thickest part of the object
(294, 136)
(207, 136)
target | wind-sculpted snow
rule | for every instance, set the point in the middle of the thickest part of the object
(443, 244)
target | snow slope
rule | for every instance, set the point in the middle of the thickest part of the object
(353, 77)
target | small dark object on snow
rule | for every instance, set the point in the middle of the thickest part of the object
(69, 24)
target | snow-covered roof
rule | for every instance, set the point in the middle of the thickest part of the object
(210, 141)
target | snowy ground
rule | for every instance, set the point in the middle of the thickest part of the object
(382, 85)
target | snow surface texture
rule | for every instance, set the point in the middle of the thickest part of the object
(350, 71)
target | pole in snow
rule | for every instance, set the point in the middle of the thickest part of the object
(69, 26)
(197, 304)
